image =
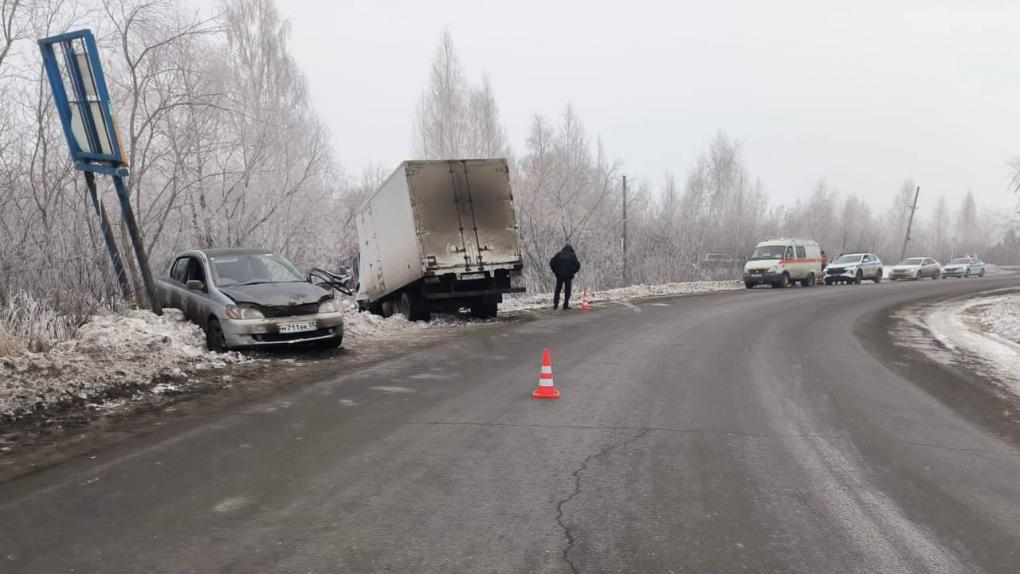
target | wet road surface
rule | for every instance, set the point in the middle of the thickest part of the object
(746, 431)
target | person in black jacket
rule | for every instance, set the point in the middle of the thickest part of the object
(564, 265)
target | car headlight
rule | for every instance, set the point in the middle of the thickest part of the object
(851, 269)
(327, 307)
(773, 269)
(243, 312)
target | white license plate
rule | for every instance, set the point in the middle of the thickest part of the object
(472, 276)
(299, 327)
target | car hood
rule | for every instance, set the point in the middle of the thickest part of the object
(760, 264)
(906, 268)
(276, 294)
(954, 267)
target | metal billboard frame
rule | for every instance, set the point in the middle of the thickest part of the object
(92, 138)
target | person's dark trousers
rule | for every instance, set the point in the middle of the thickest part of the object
(565, 285)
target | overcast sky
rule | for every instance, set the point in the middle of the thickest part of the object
(863, 95)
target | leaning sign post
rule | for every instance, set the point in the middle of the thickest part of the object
(83, 104)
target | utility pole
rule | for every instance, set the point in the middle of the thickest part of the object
(626, 278)
(910, 223)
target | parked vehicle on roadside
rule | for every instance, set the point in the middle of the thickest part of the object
(962, 267)
(782, 262)
(439, 235)
(854, 268)
(250, 298)
(915, 268)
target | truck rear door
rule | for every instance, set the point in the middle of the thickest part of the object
(486, 207)
(465, 213)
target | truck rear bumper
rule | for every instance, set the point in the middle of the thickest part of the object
(474, 293)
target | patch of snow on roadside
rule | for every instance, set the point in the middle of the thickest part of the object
(110, 352)
(365, 324)
(542, 300)
(981, 333)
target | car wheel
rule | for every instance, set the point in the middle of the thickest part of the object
(937, 276)
(982, 273)
(878, 277)
(214, 338)
(809, 281)
(859, 277)
(966, 274)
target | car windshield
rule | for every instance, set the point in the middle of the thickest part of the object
(848, 259)
(911, 261)
(768, 252)
(252, 269)
(961, 260)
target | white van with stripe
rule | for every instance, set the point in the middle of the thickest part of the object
(783, 262)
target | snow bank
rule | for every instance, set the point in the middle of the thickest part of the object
(109, 352)
(979, 333)
(368, 325)
(542, 300)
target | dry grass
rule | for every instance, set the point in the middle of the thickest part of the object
(28, 324)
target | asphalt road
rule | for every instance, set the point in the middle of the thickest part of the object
(747, 431)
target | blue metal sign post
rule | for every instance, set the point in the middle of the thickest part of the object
(79, 89)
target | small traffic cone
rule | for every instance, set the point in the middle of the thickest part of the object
(545, 389)
(584, 301)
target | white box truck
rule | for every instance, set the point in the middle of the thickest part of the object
(442, 235)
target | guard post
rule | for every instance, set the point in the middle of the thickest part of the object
(79, 90)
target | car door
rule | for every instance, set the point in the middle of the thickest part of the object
(867, 271)
(802, 264)
(175, 291)
(196, 307)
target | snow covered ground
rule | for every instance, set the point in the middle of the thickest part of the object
(977, 333)
(634, 292)
(111, 352)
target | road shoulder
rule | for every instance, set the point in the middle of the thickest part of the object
(892, 335)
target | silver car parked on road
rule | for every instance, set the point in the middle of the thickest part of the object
(250, 298)
(915, 268)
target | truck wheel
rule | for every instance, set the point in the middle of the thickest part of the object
(413, 306)
(483, 309)
(808, 281)
(748, 284)
(784, 280)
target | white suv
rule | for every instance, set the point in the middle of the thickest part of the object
(854, 268)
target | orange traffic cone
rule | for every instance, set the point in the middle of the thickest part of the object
(545, 389)
(584, 301)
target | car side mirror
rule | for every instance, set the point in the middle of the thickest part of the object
(195, 285)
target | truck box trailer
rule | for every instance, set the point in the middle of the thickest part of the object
(441, 235)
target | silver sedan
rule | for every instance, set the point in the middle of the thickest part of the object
(915, 268)
(250, 298)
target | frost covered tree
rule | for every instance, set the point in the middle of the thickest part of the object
(454, 119)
